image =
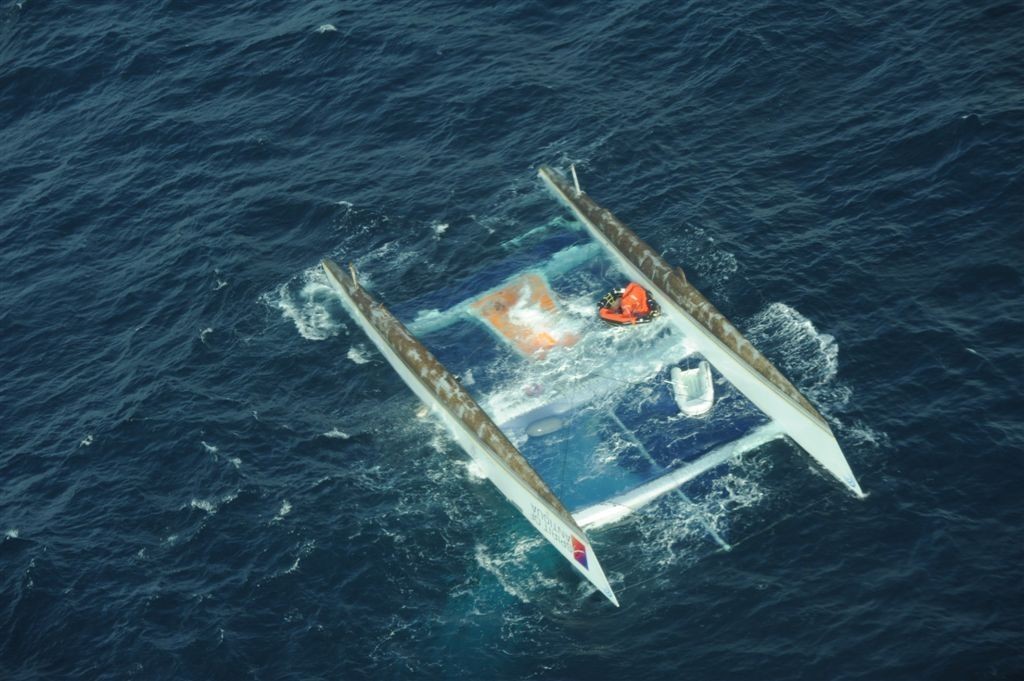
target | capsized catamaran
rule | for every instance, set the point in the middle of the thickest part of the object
(582, 402)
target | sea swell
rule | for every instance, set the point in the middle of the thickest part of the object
(209, 472)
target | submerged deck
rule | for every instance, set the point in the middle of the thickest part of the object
(590, 406)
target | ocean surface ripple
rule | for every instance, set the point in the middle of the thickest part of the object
(207, 471)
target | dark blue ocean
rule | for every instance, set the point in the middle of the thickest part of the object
(208, 472)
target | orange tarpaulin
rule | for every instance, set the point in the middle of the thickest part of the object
(525, 314)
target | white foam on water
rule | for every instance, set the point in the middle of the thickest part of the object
(812, 357)
(204, 333)
(587, 371)
(304, 550)
(392, 654)
(305, 301)
(204, 505)
(439, 228)
(212, 506)
(474, 470)
(439, 439)
(527, 387)
(676, 530)
(285, 509)
(492, 564)
(326, 28)
(86, 441)
(581, 307)
(672, 536)
(732, 492)
(807, 357)
(516, 570)
(606, 455)
(214, 451)
(358, 354)
(336, 434)
(429, 320)
(392, 256)
(863, 436)
(11, 533)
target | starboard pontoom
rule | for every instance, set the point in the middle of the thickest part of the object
(471, 427)
(716, 338)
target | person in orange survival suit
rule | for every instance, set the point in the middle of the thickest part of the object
(631, 305)
(634, 300)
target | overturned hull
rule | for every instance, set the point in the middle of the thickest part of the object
(563, 408)
(471, 427)
(716, 338)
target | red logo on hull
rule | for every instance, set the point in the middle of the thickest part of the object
(579, 552)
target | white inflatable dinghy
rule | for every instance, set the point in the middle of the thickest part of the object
(694, 389)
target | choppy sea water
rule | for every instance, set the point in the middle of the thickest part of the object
(206, 471)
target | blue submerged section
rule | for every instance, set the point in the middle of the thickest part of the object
(207, 472)
(595, 415)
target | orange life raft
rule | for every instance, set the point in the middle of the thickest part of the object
(630, 305)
